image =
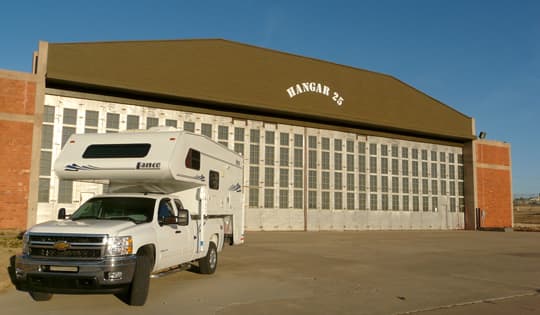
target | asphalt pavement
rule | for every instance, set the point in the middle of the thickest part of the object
(371, 272)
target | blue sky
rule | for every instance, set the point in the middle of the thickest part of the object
(479, 57)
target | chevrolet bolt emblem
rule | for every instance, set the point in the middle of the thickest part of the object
(61, 245)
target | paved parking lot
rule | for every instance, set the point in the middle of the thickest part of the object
(409, 272)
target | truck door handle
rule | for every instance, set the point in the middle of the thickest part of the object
(178, 232)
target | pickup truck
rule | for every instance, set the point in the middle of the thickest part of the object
(175, 198)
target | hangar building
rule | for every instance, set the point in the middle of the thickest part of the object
(325, 146)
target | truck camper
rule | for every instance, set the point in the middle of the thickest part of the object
(174, 199)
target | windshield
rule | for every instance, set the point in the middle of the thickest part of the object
(134, 209)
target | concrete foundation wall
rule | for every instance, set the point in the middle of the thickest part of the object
(351, 220)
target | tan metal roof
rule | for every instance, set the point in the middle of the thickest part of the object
(219, 72)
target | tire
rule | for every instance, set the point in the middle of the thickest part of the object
(40, 296)
(138, 290)
(208, 264)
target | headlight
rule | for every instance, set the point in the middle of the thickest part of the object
(26, 244)
(119, 246)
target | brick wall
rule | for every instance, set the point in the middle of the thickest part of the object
(494, 183)
(17, 103)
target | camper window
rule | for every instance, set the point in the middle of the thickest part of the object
(214, 180)
(121, 150)
(193, 159)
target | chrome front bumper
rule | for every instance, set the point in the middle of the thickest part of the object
(107, 275)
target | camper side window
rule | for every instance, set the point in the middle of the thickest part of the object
(193, 159)
(214, 180)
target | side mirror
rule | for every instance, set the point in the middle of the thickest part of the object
(62, 214)
(183, 217)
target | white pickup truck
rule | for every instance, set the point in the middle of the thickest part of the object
(174, 198)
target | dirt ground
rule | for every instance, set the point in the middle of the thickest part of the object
(527, 214)
(9, 246)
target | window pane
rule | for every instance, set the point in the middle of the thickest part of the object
(43, 193)
(362, 163)
(338, 145)
(362, 182)
(65, 191)
(283, 178)
(254, 154)
(312, 199)
(70, 116)
(132, 122)
(298, 199)
(284, 156)
(362, 203)
(269, 155)
(325, 180)
(338, 181)
(206, 130)
(350, 146)
(45, 163)
(269, 177)
(113, 121)
(189, 126)
(350, 182)
(269, 198)
(384, 150)
(298, 140)
(298, 178)
(238, 134)
(239, 148)
(384, 184)
(254, 135)
(171, 123)
(151, 122)
(269, 137)
(283, 199)
(350, 163)
(325, 143)
(325, 160)
(253, 176)
(223, 133)
(350, 201)
(122, 150)
(312, 159)
(66, 133)
(298, 159)
(48, 114)
(325, 201)
(92, 118)
(46, 136)
(312, 142)
(338, 161)
(373, 149)
(338, 200)
(312, 179)
(284, 138)
(373, 202)
(254, 197)
(361, 147)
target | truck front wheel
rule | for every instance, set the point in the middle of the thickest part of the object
(40, 296)
(208, 264)
(138, 290)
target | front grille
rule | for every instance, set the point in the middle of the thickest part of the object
(69, 253)
(72, 246)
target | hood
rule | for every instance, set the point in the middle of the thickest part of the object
(109, 227)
